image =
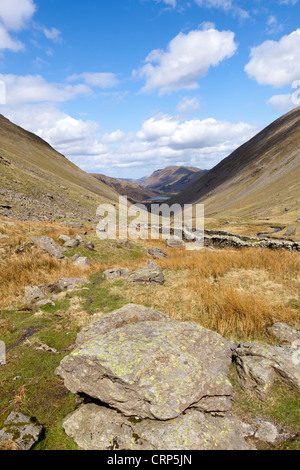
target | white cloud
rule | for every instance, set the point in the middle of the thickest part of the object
(162, 140)
(7, 42)
(53, 34)
(281, 103)
(226, 5)
(276, 63)
(35, 89)
(15, 14)
(187, 105)
(100, 80)
(187, 59)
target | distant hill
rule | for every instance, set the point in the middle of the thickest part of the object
(262, 177)
(133, 191)
(172, 179)
(39, 183)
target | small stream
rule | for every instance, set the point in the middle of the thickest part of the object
(266, 234)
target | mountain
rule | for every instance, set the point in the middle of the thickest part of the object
(260, 178)
(39, 183)
(172, 179)
(133, 191)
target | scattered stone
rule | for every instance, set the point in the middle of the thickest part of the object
(155, 369)
(75, 257)
(124, 316)
(149, 274)
(265, 430)
(34, 294)
(95, 427)
(46, 348)
(22, 430)
(258, 364)
(124, 243)
(65, 238)
(70, 283)
(90, 246)
(44, 302)
(49, 246)
(157, 253)
(116, 272)
(72, 243)
(80, 239)
(82, 262)
(284, 333)
(173, 243)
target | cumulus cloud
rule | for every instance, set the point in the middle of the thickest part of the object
(276, 63)
(35, 89)
(281, 103)
(7, 42)
(100, 80)
(15, 14)
(187, 59)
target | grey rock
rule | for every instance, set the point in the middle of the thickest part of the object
(157, 253)
(72, 243)
(124, 316)
(149, 274)
(174, 243)
(22, 430)
(258, 365)
(70, 283)
(265, 430)
(43, 303)
(116, 272)
(124, 243)
(82, 262)
(34, 294)
(65, 238)
(98, 428)
(49, 246)
(90, 246)
(154, 369)
(284, 333)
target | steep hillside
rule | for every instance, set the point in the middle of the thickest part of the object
(39, 183)
(133, 191)
(172, 179)
(259, 179)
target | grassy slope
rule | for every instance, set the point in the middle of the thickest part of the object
(31, 167)
(261, 178)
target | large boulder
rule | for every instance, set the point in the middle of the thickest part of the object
(154, 369)
(49, 246)
(124, 316)
(149, 274)
(259, 364)
(22, 430)
(95, 427)
(33, 294)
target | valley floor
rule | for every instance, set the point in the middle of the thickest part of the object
(237, 293)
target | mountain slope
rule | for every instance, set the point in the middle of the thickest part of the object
(133, 191)
(39, 183)
(262, 177)
(172, 179)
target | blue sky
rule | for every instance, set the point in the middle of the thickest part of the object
(124, 87)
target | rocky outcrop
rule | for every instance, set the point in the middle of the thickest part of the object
(154, 369)
(22, 430)
(149, 274)
(95, 427)
(258, 365)
(124, 316)
(49, 246)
